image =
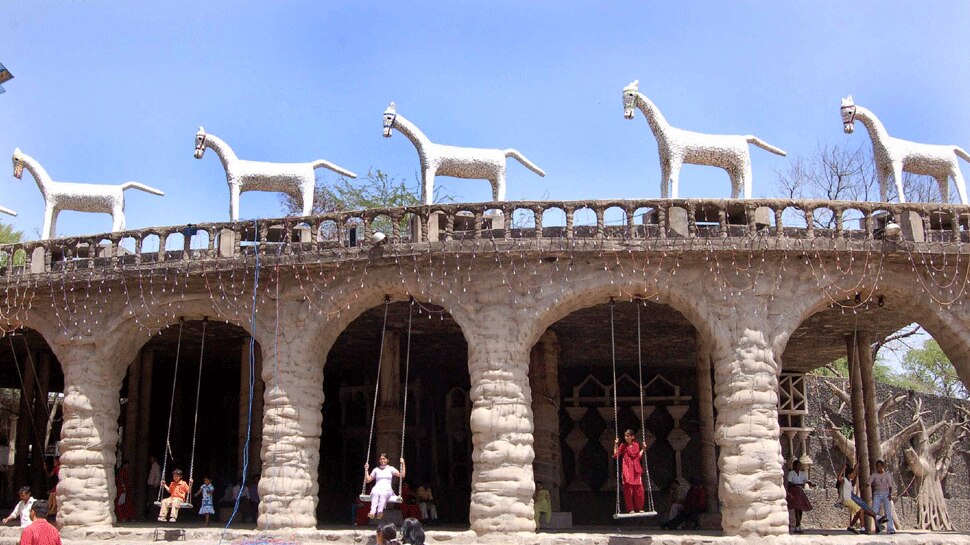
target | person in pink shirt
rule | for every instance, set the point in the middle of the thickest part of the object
(40, 532)
(631, 455)
(882, 494)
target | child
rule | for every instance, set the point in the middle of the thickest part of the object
(631, 454)
(543, 505)
(207, 507)
(178, 490)
(382, 488)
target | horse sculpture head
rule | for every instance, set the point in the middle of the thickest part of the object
(18, 163)
(630, 93)
(848, 114)
(390, 115)
(200, 143)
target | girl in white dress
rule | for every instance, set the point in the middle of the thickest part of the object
(382, 490)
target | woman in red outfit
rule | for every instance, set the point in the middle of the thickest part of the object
(631, 454)
(125, 501)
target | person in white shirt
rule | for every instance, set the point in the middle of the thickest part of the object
(23, 508)
(795, 483)
(382, 490)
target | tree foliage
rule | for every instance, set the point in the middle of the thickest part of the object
(930, 369)
(375, 190)
(9, 235)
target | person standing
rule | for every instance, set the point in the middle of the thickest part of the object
(154, 477)
(40, 532)
(882, 494)
(543, 505)
(22, 509)
(630, 454)
(125, 501)
(795, 483)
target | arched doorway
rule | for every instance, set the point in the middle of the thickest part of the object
(148, 400)
(31, 396)
(437, 442)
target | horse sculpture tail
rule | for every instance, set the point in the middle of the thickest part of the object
(962, 153)
(330, 166)
(142, 187)
(525, 162)
(764, 145)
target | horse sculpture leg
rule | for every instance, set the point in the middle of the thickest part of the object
(674, 177)
(307, 197)
(428, 190)
(49, 220)
(498, 187)
(961, 185)
(944, 183)
(234, 202)
(898, 178)
(745, 180)
(117, 219)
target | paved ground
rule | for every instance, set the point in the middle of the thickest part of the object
(141, 534)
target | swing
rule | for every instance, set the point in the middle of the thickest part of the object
(186, 504)
(397, 498)
(651, 509)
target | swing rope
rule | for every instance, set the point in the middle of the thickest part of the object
(407, 376)
(195, 422)
(171, 409)
(377, 389)
(643, 424)
(616, 409)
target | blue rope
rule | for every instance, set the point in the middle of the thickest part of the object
(252, 383)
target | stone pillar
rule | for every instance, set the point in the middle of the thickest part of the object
(256, 435)
(141, 464)
(705, 411)
(751, 489)
(39, 467)
(21, 476)
(243, 404)
(89, 436)
(292, 422)
(873, 440)
(858, 417)
(544, 382)
(389, 413)
(501, 426)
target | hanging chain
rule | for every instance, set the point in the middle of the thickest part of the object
(377, 389)
(616, 410)
(198, 389)
(407, 374)
(171, 409)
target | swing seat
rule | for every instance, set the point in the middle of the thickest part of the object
(642, 514)
(393, 499)
(185, 505)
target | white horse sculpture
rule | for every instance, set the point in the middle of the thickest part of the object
(58, 196)
(470, 163)
(294, 179)
(894, 156)
(677, 146)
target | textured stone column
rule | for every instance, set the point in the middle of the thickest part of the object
(243, 423)
(751, 492)
(86, 489)
(544, 382)
(389, 413)
(292, 422)
(501, 425)
(705, 410)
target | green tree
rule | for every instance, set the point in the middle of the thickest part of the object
(929, 368)
(9, 235)
(375, 190)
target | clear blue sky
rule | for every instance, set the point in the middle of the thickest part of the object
(113, 91)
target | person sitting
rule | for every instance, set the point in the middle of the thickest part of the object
(677, 493)
(409, 502)
(864, 508)
(387, 535)
(543, 504)
(694, 504)
(411, 532)
(178, 490)
(429, 513)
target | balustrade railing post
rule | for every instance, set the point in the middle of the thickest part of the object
(537, 213)
(570, 219)
(600, 220)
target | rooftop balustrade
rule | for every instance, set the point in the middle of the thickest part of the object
(650, 223)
